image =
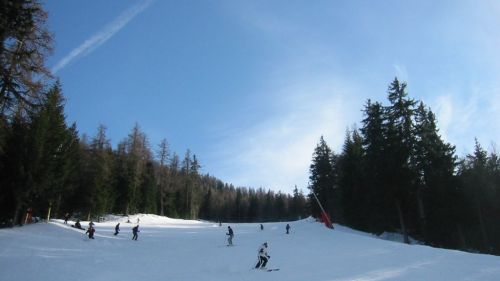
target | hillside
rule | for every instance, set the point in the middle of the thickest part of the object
(170, 249)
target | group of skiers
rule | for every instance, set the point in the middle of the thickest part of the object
(91, 229)
(262, 255)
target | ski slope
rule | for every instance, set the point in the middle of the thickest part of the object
(176, 250)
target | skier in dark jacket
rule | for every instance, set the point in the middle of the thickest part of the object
(230, 233)
(262, 256)
(91, 231)
(78, 225)
(287, 228)
(117, 229)
(135, 230)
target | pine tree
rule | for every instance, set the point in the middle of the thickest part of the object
(52, 146)
(436, 196)
(99, 194)
(479, 191)
(400, 176)
(375, 146)
(354, 196)
(321, 180)
(25, 43)
(15, 180)
(138, 155)
(163, 155)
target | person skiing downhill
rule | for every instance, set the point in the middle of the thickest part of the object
(135, 230)
(262, 256)
(90, 231)
(230, 233)
(117, 229)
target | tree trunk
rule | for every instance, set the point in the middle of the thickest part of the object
(486, 241)
(423, 221)
(17, 215)
(402, 223)
(48, 212)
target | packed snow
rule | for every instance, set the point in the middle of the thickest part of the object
(172, 249)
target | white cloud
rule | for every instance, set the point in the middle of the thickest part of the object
(277, 153)
(461, 119)
(103, 35)
(444, 114)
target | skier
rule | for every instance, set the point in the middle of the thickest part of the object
(230, 233)
(117, 229)
(90, 231)
(135, 230)
(66, 218)
(262, 256)
(287, 228)
(77, 225)
(261, 227)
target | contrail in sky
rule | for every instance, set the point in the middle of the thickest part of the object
(103, 35)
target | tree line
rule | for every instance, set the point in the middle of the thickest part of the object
(45, 164)
(397, 174)
(47, 167)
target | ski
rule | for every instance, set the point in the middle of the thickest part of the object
(268, 269)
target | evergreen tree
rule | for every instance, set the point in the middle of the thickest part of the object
(436, 192)
(99, 193)
(321, 181)
(163, 155)
(149, 192)
(375, 146)
(15, 180)
(480, 192)
(298, 205)
(25, 43)
(52, 146)
(353, 193)
(138, 155)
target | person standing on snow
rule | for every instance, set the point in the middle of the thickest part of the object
(66, 218)
(91, 231)
(135, 230)
(262, 256)
(261, 227)
(230, 233)
(287, 228)
(117, 229)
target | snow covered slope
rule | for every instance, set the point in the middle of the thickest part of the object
(175, 250)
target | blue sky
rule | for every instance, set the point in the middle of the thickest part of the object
(250, 86)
